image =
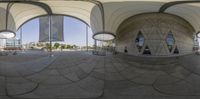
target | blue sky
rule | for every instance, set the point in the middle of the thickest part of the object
(74, 32)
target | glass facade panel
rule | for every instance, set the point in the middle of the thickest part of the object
(13, 43)
(170, 41)
(140, 41)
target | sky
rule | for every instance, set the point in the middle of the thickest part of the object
(74, 32)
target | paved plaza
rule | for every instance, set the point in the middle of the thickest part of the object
(83, 75)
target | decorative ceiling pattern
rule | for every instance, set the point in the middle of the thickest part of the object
(101, 15)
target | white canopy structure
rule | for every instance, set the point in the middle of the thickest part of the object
(103, 16)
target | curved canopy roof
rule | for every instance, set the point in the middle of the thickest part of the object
(101, 15)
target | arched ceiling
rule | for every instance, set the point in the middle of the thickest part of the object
(190, 12)
(101, 15)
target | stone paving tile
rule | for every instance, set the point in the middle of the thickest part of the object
(2, 86)
(82, 75)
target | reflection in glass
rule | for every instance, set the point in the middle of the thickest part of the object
(176, 51)
(146, 51)
(170, 41)
(139, 41)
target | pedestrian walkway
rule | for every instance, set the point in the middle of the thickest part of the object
(82, 75)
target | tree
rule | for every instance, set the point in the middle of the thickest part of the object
(109, 43)
(63, 46)
(48, 46)
(56, 45)
(68, 46)
(38, 45)
(74, 46)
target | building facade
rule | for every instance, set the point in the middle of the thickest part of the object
(155, 34)
(13, 44)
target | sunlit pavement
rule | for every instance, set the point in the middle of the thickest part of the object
(83, 75)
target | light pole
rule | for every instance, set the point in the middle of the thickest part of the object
(21, 38)
(50, 34)
(87, 37)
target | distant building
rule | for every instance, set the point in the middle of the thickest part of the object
(2, 44)
(12, 44)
